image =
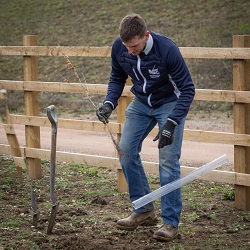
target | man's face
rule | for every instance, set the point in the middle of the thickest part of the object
(136, 45)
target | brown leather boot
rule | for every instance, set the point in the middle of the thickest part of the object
(136, 219)
(166, 233)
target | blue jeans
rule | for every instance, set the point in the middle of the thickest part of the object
(140, 120)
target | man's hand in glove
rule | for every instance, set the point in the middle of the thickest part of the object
(166, 134)
(104, 112)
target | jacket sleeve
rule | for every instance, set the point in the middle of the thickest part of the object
(117, 78)
(180, 77)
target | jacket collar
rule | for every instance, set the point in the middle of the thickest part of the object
(149, 45)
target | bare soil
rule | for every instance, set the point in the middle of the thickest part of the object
(89, 206)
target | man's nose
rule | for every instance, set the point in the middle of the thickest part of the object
(130, 51)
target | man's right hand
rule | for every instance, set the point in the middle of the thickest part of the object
(104, 112)
(166, 134)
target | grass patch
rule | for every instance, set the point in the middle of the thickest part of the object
(72, 23)
(12, 222)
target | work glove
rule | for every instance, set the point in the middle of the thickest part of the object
(166, 134)
(104, 112)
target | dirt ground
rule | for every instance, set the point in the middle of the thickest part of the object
(89, 204)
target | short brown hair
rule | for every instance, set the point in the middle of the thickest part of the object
(132, 25)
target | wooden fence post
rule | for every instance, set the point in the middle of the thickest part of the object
(241, 82)
(31, 104)
(123, 103)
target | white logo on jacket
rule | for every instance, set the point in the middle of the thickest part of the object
(154, 73)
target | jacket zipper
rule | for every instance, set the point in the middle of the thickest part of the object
(139, 70)
(144, 80)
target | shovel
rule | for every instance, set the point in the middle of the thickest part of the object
(51, 113)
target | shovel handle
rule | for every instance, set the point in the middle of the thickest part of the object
(51, 113)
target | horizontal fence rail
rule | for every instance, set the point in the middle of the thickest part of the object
(101, 89)
(95, 160)
(187, 52)
(189, 134)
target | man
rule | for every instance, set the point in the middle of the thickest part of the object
(163, 91)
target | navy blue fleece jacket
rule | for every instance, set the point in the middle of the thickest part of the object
(159, 75)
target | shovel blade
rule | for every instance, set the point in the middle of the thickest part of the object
(52, 218)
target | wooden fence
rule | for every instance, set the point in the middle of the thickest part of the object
(32, 153)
